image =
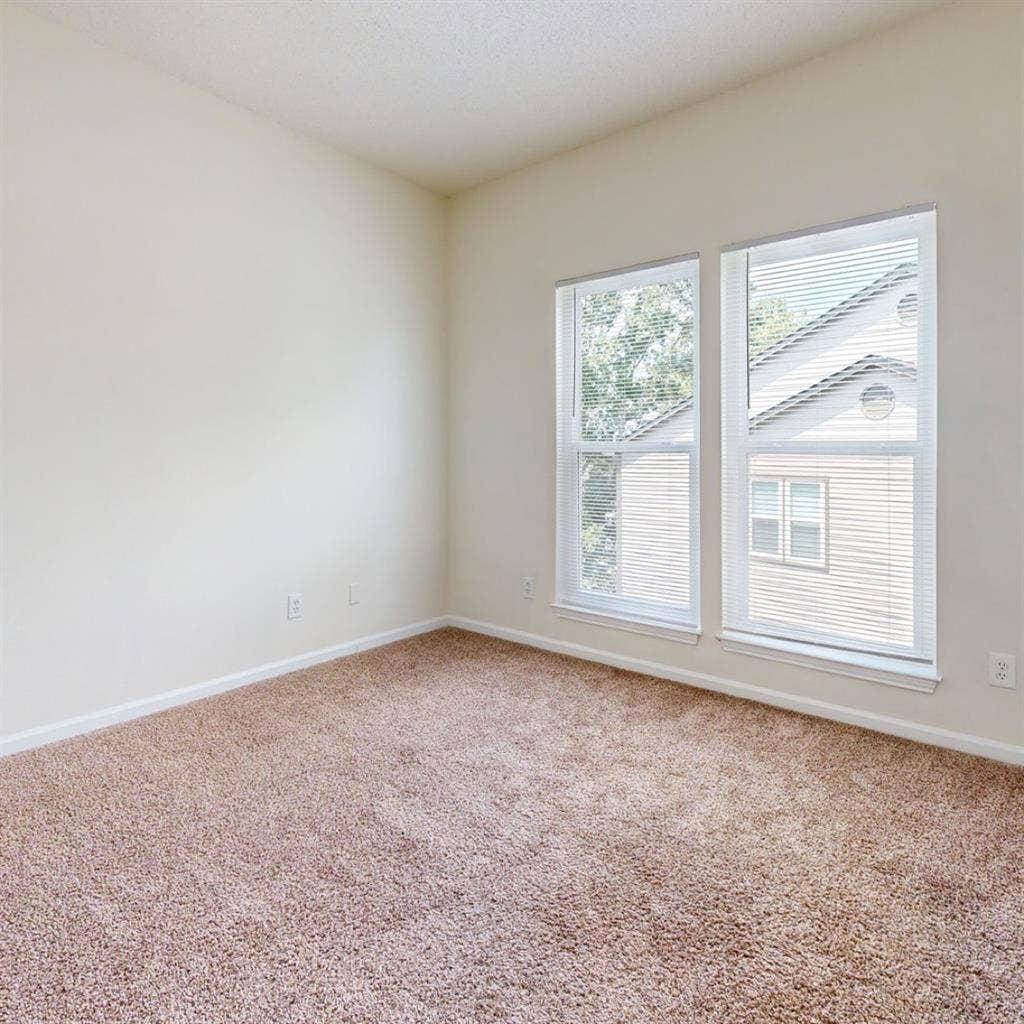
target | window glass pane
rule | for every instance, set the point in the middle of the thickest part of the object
(636, 357)
(805, 541)
(598, 523)
(628, 516)
(654, 528)
(824, 328)
(868, 591)
(764, 498)
(805, 500)
(764, 536)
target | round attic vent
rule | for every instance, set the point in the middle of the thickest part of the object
(877, 401)
(906, 309)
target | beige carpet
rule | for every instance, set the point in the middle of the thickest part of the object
(458, 829)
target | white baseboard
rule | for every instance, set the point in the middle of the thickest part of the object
(137, 708)
(964, 742)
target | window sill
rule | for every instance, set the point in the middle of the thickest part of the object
(874, 667)
(647, 627)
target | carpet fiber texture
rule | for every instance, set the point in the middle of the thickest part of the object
(455, 828)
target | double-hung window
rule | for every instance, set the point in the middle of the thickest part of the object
(828, 437)
(627, 533)
(787, 520)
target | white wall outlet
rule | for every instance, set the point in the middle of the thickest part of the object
(1002, 670)
(294, 606)
(353, 593)
(528, 587)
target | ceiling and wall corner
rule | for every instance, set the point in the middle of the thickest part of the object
(452, 94)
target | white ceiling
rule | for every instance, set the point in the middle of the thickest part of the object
(450, 93)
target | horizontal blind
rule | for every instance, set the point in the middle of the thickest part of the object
(828, 434)
(627, 444)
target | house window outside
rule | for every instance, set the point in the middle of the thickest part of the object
(805, 522)
(788, 521)
(828, 444)
(627, 531)
(766, 518)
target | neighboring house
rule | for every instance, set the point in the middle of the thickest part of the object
(814, 521)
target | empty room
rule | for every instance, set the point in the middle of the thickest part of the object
(511, 512)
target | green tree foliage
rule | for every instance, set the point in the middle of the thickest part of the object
(599, 528)
(637, 357)
(770, 320)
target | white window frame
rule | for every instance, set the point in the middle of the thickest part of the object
(913, 669)
(571, 601)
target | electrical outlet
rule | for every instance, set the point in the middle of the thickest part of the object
(528, 587)
(294, 606)
(353, 593)
(1002, 670)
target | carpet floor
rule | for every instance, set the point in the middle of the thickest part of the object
(458, 829)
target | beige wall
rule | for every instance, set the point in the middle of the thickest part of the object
(223, 380)
(224, 360)
(930, 111)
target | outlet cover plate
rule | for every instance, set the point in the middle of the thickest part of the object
(1002, 670)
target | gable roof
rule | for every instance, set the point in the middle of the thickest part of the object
(841, 310)
(890, 279)
(682, 406)
(814, 391)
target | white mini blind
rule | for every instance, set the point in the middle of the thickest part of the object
(828, 435)
(627, 533)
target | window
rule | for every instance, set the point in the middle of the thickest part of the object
(828, 434)
(787, 520)
(805, 522)
(627, 534)
(766, 517)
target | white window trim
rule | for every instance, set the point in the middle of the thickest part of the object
(646, 627)
(877, 668)
(571, 601)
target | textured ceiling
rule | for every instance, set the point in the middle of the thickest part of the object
(450, 93)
